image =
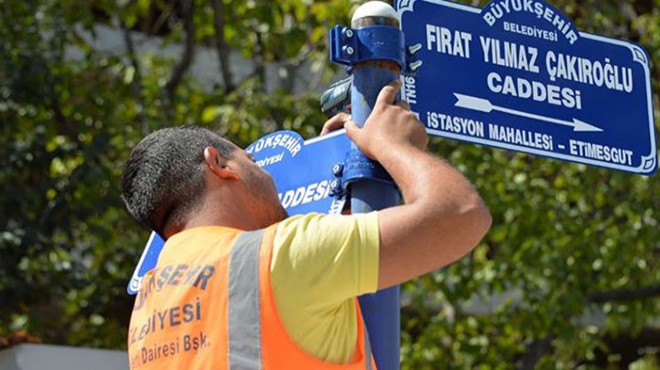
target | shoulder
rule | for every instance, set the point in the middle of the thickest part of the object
(320, 225)
(313, 243)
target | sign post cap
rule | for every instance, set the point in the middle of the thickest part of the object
(375, 9)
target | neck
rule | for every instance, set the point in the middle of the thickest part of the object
(231, 214)
(234, 218)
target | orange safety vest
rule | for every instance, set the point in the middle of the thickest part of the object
(210, 306)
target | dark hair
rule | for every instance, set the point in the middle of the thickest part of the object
(163, 179)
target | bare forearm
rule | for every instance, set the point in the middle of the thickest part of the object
(429, 181)
(443, 217)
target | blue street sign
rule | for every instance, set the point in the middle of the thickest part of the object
(518, 75)
(306, 173)
(147, 262)
(303, 170)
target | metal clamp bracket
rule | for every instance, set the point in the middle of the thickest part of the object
(356, 167)
(350, 46)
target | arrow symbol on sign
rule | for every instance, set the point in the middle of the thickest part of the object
(483, 105)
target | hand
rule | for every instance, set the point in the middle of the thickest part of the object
(335, 123)
(389, 125)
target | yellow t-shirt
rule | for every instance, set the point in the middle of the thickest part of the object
(320, 264)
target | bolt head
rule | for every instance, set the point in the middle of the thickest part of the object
(335, 186)
(337, 169)
(415, 65)
(349, 50)
(413, 49)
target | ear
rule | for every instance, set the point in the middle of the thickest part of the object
(218, 165)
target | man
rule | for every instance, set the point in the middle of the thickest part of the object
(239, 285)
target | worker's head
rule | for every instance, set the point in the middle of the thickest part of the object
(174, 172)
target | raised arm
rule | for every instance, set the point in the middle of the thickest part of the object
(443, 217)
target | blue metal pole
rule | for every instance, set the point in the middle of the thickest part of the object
(381, 309)
(374, 48)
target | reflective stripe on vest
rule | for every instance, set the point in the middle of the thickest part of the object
(244, 314)
(244, 303)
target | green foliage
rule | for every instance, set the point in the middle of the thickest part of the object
(564, 235)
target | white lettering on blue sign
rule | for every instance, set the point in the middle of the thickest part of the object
(498, 9)
(537, 91)
(286, 141)
(516, 136)
(270, 160)
(446, 41)
(600, 152)
(531, 31)
(509, 54)
(571, 68)
(410, 91)
(459, 125)
(305, 194)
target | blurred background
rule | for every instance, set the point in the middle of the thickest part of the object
(567, 278)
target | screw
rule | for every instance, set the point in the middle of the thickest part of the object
(349, 50)
(415, 65)
(337, 169)
(349, 32)
(335, 186)
(414, 49)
